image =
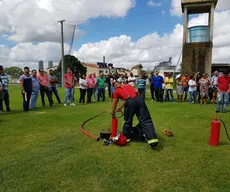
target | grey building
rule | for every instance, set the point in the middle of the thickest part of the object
(50, 64)
(40, 65)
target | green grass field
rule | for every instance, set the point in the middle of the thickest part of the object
(44, 150)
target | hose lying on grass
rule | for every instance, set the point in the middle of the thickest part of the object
(87, 133)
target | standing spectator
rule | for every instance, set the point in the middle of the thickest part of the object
(35, 90)
(192, 89)
(83, 88)
(101, 87)
(69, 86)
(26, 88)
(90, 86)
(1, 91)
(214, 86)
(152, 85)
(4, 79)
(169, 87)
(179, 88)
(95, 89)
(53, 80)
(223, 86)
(44, 87)
(122, 79)
(75, 84)
(158, 80)
(198, 77)
(185, 80)
(204, 85)
(109, 83)
(132, 80)
(112, 81)
(141, 82)
(209, 87)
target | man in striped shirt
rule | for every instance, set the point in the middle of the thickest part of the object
(4, 80)
(141, 82)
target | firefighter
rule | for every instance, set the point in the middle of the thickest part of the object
(134, 105)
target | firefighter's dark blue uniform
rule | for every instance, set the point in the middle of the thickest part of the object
(135, 105)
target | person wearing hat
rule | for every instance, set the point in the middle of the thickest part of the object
(4, 80)
(134, 105)
(185, 80)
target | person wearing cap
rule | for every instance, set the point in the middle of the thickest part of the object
(134, 105)
(4, 80)
(158, 80)
(26, 88)
(223, 87)
(185, 80)
(214, 86)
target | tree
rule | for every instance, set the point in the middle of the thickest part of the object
(72, 62)
(14, 71)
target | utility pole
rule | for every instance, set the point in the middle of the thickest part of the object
(62, 50)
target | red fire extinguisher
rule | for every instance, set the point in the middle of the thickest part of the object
(114, 127)
(215, 132)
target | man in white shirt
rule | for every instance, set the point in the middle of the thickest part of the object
(192, 89)
(214, 86)
(132, 80)
(122, 79)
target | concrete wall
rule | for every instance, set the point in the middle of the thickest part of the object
(92, 70)
(197, 57)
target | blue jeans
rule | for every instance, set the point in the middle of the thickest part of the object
(33, 99)
(192, 96)
(54, 90)
(222, 98)
(101, 92)
(169, 92)
(68, 95)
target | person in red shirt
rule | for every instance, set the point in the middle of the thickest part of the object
(44, 87)
(134, 105)
(223, 87)
(69, 87)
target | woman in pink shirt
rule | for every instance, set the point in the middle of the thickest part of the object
(90, 85)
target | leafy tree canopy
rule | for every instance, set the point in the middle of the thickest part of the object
(14, 71)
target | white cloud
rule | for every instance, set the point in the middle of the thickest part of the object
(148, 49)
(153, 48)
(20, 16)
(151, 3)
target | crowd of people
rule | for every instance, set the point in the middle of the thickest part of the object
(199, 87)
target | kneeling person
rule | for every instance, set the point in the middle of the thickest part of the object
(134, 105)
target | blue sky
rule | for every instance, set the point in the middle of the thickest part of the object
(140, 21)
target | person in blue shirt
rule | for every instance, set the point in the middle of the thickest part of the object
(35, 91)
(157, 81)
(141, 82)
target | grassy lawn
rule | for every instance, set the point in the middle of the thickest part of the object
(44, 150)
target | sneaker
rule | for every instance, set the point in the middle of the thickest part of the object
(72, 104)
(64, 104)
(217, 111)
